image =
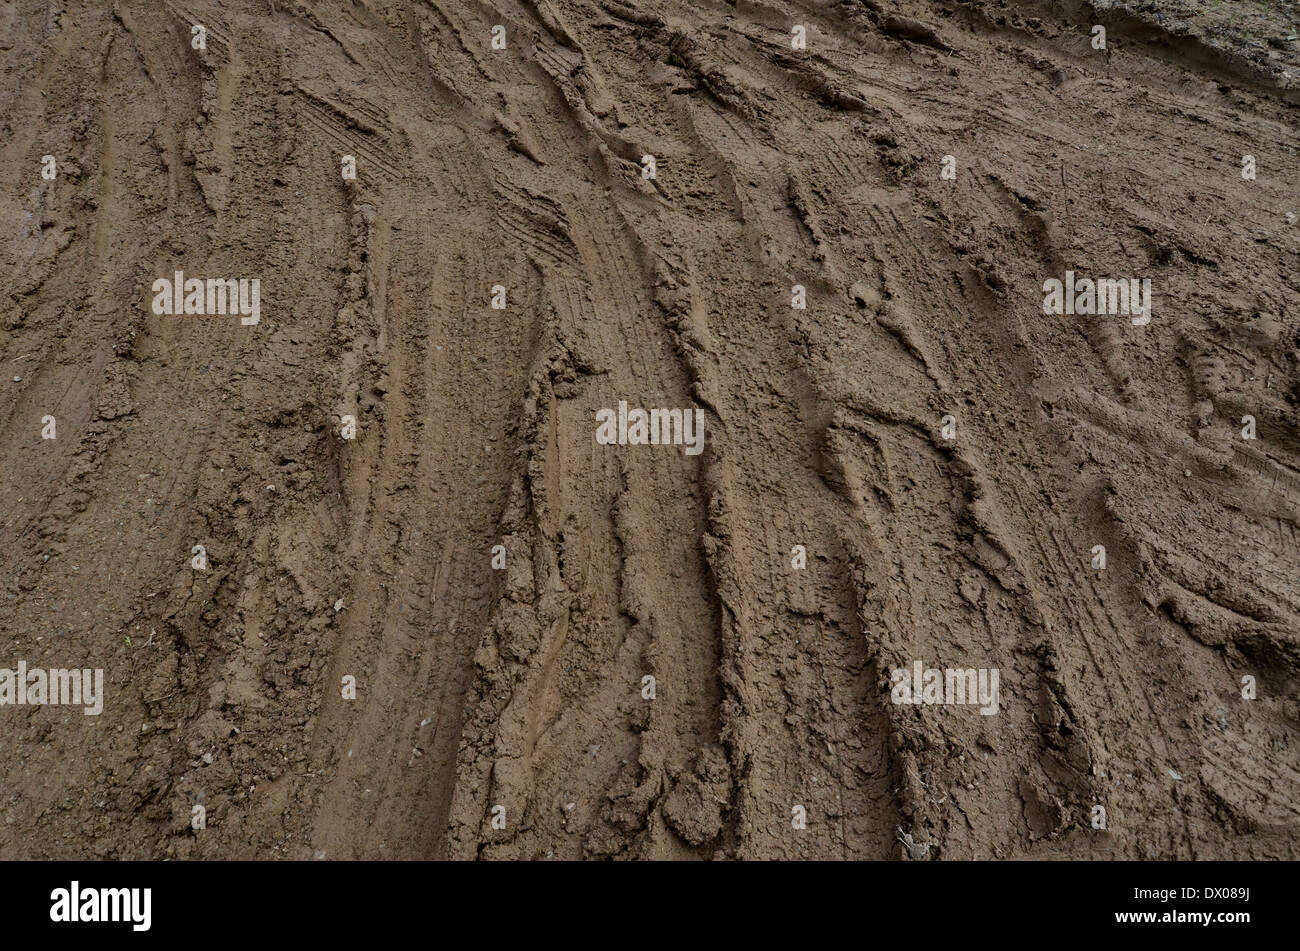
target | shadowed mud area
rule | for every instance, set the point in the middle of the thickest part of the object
(1262, 32)
(917, 466)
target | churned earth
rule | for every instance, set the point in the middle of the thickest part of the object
(830, 532)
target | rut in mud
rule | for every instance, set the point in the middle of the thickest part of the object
(945, 455)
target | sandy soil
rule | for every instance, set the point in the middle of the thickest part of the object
(503, 712)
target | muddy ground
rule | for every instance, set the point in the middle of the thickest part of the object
(504, 712)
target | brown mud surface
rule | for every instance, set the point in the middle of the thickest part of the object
(522, 688)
